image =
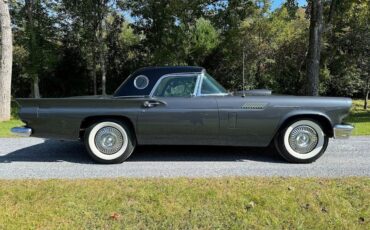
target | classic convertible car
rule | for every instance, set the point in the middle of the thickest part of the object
(186, 106)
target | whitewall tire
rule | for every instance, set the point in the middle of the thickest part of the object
(302, 141)
(109, 141)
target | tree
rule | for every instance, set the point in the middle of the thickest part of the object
(89, 19)
(74, 47)
(160, 23)
(102, 9)
(167, 27)
(314, 47)
(289, 40)
(362, 38)
(35, 32)
(6, 61)
(203, 38)
(236, 22)
(292, 7)
(33, 47)
(346, 53)
(366, 90)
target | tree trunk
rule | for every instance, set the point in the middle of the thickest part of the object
(366, 95)
(102, 58)
(93, 69)
(32, 70)
(6, 62)
(103, 73)
(332, 10)
(314, 48)
(35, 83)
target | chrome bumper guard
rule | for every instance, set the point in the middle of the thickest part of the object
(342, 131)
(21, 131)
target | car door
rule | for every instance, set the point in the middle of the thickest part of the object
(173, 115)
(247, 121)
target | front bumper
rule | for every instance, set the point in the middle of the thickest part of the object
(21, 131)
(343, 131)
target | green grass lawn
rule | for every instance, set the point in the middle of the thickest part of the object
(360, 118)
(209, 203)
(7, 125)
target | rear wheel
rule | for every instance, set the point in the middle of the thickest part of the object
(302, 141)
(109, 141)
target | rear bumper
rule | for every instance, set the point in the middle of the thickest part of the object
(21, 131)
(343, 131)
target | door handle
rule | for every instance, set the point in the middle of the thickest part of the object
(151, 104)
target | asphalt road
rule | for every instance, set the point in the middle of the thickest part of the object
(38, 158)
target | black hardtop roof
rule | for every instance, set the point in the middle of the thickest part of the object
(153, 74)
(154, 71)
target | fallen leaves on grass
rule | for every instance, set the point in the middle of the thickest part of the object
(115, 216)
(250, 205)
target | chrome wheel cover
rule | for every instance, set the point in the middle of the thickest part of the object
(109, 140)
(303, 139)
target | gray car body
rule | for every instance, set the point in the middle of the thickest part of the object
(252, 120)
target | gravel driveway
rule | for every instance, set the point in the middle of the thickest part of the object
(38, 158)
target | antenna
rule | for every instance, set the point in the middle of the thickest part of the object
(243, 89)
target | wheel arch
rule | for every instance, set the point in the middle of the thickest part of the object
(324, 121)
(88, 121)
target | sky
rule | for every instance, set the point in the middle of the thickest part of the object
(277, 3)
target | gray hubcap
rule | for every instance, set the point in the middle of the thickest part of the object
(109, 140)
(303, 139)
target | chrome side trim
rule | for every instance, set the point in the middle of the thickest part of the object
(21, 131)
(342, 131)
(134, 96)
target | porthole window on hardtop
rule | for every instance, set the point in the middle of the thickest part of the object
(141, 82)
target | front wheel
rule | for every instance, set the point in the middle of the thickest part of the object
(302, 141)
(109, 141)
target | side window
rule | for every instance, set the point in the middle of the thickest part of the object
(176, 86)
(211, 86)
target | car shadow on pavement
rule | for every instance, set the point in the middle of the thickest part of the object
(50, 151)
(74, 152)
(205, 153)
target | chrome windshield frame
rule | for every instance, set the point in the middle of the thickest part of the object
(199, 90)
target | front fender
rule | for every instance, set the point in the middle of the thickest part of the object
(324, 119)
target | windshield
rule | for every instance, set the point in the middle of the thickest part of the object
(211, 86)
